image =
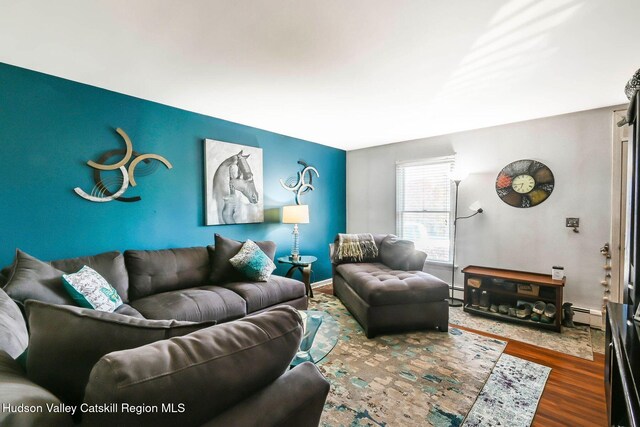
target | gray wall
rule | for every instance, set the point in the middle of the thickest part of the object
(576, 147)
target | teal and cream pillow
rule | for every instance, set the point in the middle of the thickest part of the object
(252, 262)
(90, 290)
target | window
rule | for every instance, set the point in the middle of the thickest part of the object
(423, 205)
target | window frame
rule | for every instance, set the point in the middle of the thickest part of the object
(401, 195)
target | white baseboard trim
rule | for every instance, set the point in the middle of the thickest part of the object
(321, 283)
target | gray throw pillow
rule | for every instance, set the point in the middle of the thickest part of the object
(67, 341)
(396, 253)
(35, 279)
(221, 269)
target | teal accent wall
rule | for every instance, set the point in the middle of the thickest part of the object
(50, 127)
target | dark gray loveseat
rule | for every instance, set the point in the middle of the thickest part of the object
(391, 293)
(194, 372)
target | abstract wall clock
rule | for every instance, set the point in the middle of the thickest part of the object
(113, 188)
(524, 183)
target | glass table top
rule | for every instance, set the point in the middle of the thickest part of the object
(302, 260)
(326, 338)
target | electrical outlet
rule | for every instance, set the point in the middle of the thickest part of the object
(573, 222)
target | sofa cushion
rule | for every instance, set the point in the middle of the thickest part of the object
(197, 304)
(396, 253)
(226, 364)
(35, 279)
(13, 329)
(378, 285)
(153, 272)
(127, 310)
(252, 262)
(16, 390)
(67, 341)
(90, 290)
(221, 269)
(110, 265)
(260, 295)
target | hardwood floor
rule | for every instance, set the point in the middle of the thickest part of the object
(574, 394)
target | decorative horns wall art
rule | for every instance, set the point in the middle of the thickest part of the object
(103, 190)
(297, 184)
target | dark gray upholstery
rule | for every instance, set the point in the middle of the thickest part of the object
(35, 279)
(221, 269)
(13, 331)
(378, 284)
(195, 305)
(236, 372)
(67, 341)
(260, 295)
(304, 382)
(153, 272)
(226, 363)
(385, 299)
(400, 254)
(127, 310)
(16, 389)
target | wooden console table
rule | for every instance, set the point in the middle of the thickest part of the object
(502, 286)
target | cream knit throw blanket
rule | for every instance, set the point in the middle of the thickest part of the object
(356, 247)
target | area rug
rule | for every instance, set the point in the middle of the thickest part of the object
(410, 379)
(573, 341)
(511, 395)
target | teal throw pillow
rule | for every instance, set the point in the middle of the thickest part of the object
(252, 262)
(90, 290)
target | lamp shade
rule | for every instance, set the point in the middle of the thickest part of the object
(295, 214)
(458, 175)
(476, 206)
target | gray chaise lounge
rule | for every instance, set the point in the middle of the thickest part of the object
(391, 293)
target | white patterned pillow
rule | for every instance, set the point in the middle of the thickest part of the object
(252, 262)
(90, 290)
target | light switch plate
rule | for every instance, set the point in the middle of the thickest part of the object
(573, 222)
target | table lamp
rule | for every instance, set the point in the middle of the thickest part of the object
(295, 214)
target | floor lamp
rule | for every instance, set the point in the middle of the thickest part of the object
(457, 302)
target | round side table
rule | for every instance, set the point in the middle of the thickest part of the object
(302, 264)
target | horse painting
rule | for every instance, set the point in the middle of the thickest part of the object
(233, 195)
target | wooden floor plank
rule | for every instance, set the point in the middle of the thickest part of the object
(574, 394)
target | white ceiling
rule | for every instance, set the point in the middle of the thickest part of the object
(345, 73)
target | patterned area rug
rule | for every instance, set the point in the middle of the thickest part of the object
(511, 395)
(573, 341)
(411, 379)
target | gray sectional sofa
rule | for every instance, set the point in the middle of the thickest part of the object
(390, 292)
(162, 348)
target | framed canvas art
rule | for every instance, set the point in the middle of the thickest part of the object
(233, 183)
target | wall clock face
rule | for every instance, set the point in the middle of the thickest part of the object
(524, 183)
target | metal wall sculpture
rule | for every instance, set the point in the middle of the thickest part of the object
(297, 184)
(103, 189)
(233, 183)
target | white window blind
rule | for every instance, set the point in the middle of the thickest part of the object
(423, 205)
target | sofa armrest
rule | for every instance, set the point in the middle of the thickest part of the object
(295, 399)
(417, 260)
(17, 391)
(198, 376)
